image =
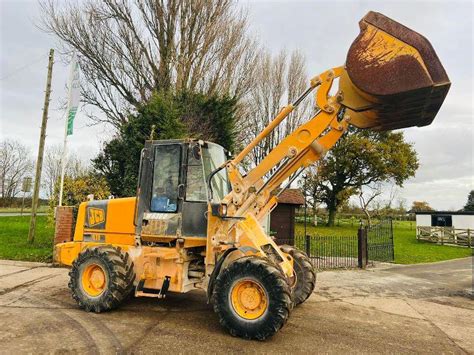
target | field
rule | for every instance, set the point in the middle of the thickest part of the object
(14, 235)
(407, 249)
(14, 244)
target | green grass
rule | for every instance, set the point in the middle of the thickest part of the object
(13, 239)
(14, 244)
(408, 250)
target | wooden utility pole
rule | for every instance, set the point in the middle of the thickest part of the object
(39, 162)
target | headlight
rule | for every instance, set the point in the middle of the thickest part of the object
(223, 210)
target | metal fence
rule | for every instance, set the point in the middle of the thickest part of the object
(330, 252)
(351, 251)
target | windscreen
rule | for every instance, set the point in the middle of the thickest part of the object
(214, 156)
(165, 178)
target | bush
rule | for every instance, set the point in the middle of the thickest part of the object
(77, 189)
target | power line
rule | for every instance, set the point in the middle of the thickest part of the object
(23, 67)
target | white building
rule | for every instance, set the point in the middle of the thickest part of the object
(456, 220)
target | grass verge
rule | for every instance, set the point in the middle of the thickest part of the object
(14, 244)
(14, 239)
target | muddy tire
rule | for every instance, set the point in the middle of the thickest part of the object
(305, 274)
(252, 298)
(101, 278)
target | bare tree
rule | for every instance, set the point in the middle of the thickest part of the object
(367, 195)
(75, 167)
(130, 48)
(401, 206)
(392, 196)
(278, 81)
(51, 168)
(385, 207)
(15, 163)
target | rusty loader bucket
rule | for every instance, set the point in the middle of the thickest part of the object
(393, 77)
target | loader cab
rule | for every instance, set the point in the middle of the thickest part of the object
(173, 194)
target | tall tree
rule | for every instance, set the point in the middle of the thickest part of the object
(360, 158)
(15, 164)
(470, 202)
(169, 116)
(278, 80)
(130, 48)
(210, 117)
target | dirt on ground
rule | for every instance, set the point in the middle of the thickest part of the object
(388, 309)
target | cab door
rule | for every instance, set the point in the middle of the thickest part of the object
(195, 201)
(161, 190)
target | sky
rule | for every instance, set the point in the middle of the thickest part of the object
(321, 30)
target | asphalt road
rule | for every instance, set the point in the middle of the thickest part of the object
(396, 309)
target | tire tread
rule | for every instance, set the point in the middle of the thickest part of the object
(121, 278)
(280, 295)
(302, 292)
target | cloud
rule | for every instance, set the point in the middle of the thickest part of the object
(442, 194)
(322, 31)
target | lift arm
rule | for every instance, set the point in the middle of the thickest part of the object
(237, 226)
(301, 148)
(392, 79)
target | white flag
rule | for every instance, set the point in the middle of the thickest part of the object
(74, 94)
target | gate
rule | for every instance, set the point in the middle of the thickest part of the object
(333, 252)
(380, 241)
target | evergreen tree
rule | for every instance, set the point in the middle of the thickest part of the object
(470, 202)
(164, 116)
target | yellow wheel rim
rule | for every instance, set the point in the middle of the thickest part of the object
(249, 299)
(93, 280)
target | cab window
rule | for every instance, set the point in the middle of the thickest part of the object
(196, 190)
(213, 156)
(166, 178)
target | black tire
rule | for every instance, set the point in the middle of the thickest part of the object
(305, 274)
(278, 298)
(119, 277)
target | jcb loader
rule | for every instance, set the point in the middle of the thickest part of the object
(195, 222)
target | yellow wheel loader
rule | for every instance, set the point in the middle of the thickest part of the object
(195, 222)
